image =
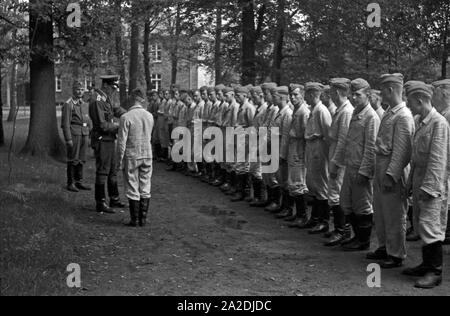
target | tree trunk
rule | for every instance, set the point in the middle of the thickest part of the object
(279, 42)
(13, 93)
(43, 136)
(120, 55)
(248, 42)
(445, 35)
(218, 44)
(148, 78)
(2, 135)
(174, 53)
(134, 53)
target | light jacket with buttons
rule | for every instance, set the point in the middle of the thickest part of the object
(360, 143)
(338, 131)
(135, 135)
(395, 139)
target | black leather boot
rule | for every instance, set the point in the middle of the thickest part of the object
(338, 235)
(287, 206)
(240, 188)
(114, 195)
(364, 229)
(322, 225)
(434, 261)
(134, 211)
(301, 216)
(314, 219)
(351, 224)
(144, 206)
(378, 255)
(100, 199)
(233, 185)
(79, 179)
(70, 178)
(275, 206)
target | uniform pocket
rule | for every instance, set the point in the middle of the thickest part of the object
(424, 143)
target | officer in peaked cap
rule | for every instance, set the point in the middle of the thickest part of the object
(105, 128)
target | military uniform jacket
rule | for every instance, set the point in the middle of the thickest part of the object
(297, 131)
(212, 117)
(431, 153)
(195, 113)
(245, 115)
(395, 139)
(258, 120)
(319, 123)
(102, 114)
(283, 121)
(230, 115)
(207, 110)
(360, 143)
(75, 119)
(339, 129)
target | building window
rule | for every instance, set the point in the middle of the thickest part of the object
(156, 53)
(156, 81)
(58, 82)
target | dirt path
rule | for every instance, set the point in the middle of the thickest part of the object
(198, 243)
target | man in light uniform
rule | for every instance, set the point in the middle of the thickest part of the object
(161, 128)
(359, 159)
(135, 157)
(441, 101)
(255, 167)
(376, 102)
(211, 122)
(296, 155)
(244, 120)
(393, 149)
(195, 113)
(229, 119)
(327, 100)
(283, 121)
(207, 169)
(429, 183)
(270, 179)
(317, 129)
(340, 90)
(172, 108)
(221, 174)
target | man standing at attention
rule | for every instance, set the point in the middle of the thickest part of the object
(76, 126)
(429, 183)
(393, 149)
(359, 162)
(135, 157)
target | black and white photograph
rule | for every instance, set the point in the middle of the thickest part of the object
(225, 154)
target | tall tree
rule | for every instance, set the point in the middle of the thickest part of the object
(120, 52)
(250, 36)
(279, 41)
(13, 92)
(218, 43)
(134, 48)
(43, 136)
(2, 135)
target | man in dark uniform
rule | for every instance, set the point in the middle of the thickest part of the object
(76, 127)
(104, 134)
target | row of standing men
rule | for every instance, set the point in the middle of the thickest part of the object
(363, 155)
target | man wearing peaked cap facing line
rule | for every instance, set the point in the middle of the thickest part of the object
(339, 92)
(317, 129)
(441, 101)
(359, 160)
(429, 183)
(104, 134)
(393, 150)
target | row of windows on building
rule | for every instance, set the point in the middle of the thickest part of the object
(155, 55)
(156, 81)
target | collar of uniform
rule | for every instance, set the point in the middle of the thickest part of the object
(304, 105)
(397, 108)
(445, 112)
(284, 110)
(262, 107)
(427, 119)
(343, 106)
(361, 114)
(136, 107)
(318, 106)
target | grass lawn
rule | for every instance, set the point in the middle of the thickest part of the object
(38, 235)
